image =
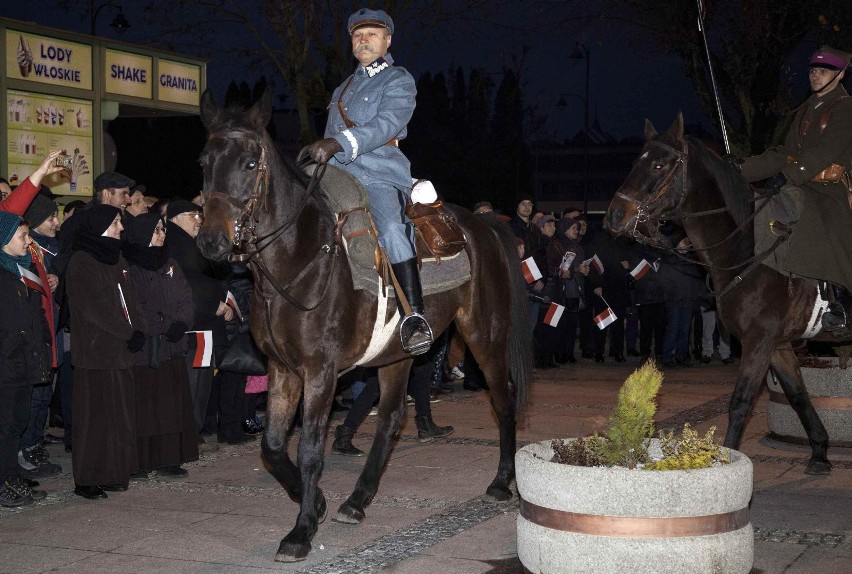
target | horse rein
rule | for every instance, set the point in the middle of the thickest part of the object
(643, 215)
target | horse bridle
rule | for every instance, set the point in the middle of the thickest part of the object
(644, 213)
(251, 245)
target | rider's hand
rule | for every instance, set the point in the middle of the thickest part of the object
(323, 150)
(774, 183)
(734, 161)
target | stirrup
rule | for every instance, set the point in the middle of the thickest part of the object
(834, 318)
(415, 334)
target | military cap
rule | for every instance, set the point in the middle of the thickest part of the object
(367, 17)
(827, 57)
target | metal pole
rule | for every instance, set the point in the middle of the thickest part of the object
(712, 77)
(586, 142)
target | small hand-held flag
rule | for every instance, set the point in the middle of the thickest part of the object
(32, 280)
(530, 269)
(641, 270)
(554, 313)
(605, 317)
(203, 349)
(231, 302)
(124, 305)
(596, 262)
(567, 260)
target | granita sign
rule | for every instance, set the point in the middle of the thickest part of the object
(178, 82)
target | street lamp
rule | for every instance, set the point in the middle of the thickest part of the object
(120, 22)
(582, 52)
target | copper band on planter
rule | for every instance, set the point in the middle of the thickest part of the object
(634, 527)
(826, 403)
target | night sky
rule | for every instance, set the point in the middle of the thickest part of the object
(629, 81)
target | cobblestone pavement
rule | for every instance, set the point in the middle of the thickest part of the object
(429, 514)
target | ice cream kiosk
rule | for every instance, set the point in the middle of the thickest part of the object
(60, 87)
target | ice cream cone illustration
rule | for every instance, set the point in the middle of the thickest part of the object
(24, 57)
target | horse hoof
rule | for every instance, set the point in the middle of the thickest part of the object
(498, 494)
(348, 515)
(818, 467)
(292, 552)
(321, 508)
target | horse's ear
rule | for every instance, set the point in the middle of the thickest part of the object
(675, 131)
(209, 109)
(261, 112)
(650, 131)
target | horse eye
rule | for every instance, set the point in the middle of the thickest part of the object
(658, 166)
(251, 165)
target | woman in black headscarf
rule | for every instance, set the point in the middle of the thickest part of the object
(108, 328)
(165, 427)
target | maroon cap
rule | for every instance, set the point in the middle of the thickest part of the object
(829, 58)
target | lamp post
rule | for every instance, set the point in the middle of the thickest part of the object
(582, 52)
(120, 22)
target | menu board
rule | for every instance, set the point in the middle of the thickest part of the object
(38, 124)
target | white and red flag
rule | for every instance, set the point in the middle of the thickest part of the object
(604, 318)
(231, 302)
(530, 269)
(641, 270)
(595, 262)
(203, 349)
(32, 280)
(554, 313)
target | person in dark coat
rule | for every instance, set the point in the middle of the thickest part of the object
(570, 280)
(108, 328)
(205, 279)
(649, 297)
(683, 283)
(165, 425)
(25, 356)
(610, 287)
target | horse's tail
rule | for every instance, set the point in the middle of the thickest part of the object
(520, 337)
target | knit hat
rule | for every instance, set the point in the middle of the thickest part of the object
(178, 206)
(40, 209)
(565, 224)
(524, 197)
(9, 223)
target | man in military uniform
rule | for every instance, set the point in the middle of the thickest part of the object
(367, 117)
(811, 173)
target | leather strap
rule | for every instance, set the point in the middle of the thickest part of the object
(400, 296)
(393, 142)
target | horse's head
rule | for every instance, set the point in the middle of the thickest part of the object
(235, 162)
(654, 188)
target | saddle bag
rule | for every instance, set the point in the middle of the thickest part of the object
(441, 234)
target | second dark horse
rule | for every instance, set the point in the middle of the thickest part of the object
(312, 324)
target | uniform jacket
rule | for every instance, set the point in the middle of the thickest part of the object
(24, 337)
(164, 297)
(380, 101)
(100, 328)
(819, 246)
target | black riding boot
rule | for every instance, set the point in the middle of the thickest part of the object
(414, 332)
(835, 316)
(343, 442)
(427, 430)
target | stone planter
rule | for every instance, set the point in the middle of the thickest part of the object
(602, 520)
(830, 390)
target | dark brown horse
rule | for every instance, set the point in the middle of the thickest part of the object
(312, 324)
(676, 178)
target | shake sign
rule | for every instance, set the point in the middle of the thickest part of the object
(48, 60)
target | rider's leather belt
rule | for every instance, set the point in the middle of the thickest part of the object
(831, 174)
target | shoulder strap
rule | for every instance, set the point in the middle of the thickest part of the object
(349, 123)
(826, 114)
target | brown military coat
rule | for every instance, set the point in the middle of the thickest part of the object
(821, 245)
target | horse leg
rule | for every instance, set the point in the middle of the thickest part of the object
(786, 368)
(392, 383)
(318, 395)
(755, 364)
(491, 356)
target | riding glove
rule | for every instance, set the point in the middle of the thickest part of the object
(775, 183)
(176, 332)
(136, 342)
(323, 150)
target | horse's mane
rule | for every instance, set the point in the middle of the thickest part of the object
(735, 190)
